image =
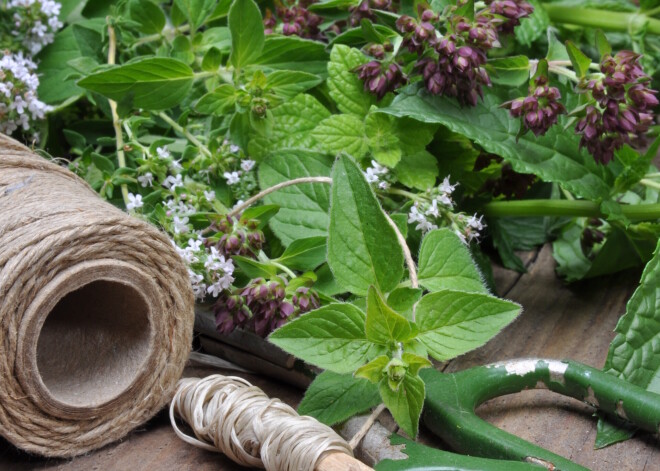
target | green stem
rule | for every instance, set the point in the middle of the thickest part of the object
(180, 129)
(650, 183)
(576, 208)
(607, 20)
(565, 72)
(407, 194)
(283, 268)
(156, 37)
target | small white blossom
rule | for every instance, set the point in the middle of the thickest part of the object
(446, 187)
(36, 27)
(247, 164)
(374, 172)
(232, 177)
(210, 196)
(163, 152)
(383, 185)
(146, 180)
(172, 183)
(234, 148)
(433, 209)
(180, 224)
(445, 200)
(475, 223)
(134, 202)
(175, 166)
(422, 223)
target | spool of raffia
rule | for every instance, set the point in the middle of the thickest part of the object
(96, 312)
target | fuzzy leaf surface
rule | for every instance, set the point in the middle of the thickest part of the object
(331, 337)
(334, 398)
(446, 263)
(345, 86)
(362, 247)
(554, 157)
(342, 133)
(454, 322)
(384, 326)
(303, 208)
(406, 403)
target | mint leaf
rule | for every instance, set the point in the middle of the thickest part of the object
(148, 15)
(415, 363)
(567, 252)
(384, 326)
(155, 83)
(362, 247)
(454, 322)
(218, 102)
(578, 59)
(345, 87)
(331, 337)
(247, 32)
(333, 398)
(196, 11)
(293, 122)
(532, 27)
(383, 141)
(289, 83)
(374, 370)
(512, 71)
(406, 403)
(403, 299)
(342, 133)
(446, 263)
(254, 268)
(304, 254)
(554, 157)
(418, 170)
(294, 53)
(303, 208)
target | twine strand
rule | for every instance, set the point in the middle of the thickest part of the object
(230, 415)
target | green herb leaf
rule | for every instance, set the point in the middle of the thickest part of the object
(304, 254)
(415, 363)
(363, 249)
(382, 139)
(196, 11)
(532, 27)
(331, 337)
(333, 398)
(579, 60)
(418, 170)
(345, 86)
(445, 263)
(247, 32)
(303, 208)
(294, 53)
(374, 370)
(384, 326)
(403, 299)
(289, 83)
(254, 268)
(633, 355)
(293, 123)
(602, 44)
(218, 102)
(553, 157)
(406, 403)
(342, 133)
(512, 71)
(454, 322)
(149, 15)
(155, 83)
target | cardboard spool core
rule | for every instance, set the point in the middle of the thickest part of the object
(90, 342)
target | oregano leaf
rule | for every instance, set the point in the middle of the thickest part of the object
(363, 249)
(384, 326)
(405, 404)
(247, 32)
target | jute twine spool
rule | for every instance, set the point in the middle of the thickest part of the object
(96, 312)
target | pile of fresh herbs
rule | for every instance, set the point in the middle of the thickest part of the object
(333, 169)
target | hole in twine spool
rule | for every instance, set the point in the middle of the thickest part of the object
(88, 338)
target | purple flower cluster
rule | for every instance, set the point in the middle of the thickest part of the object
(297, 20)
(540, 109)
(621, 112)
(511, 11)
(262, 306)
(364, 11)
(236, 237)
(380, 78)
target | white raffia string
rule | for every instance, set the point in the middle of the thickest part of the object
(230, 415)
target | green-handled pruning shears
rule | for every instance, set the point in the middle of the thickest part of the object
(451, 400)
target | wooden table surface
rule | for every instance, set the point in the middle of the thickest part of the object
(559, 321)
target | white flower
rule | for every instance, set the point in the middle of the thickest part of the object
(163, 152)
(446, 187)
(180, 224)
(475, 223)
(247, 164)
(209, 195)
(172, 183)
(232, 177)
(373, 173)
(234, 148)
(433, 209)
(371, 176)
(175, 166)
(445, 200)
(195, 244)
(422, 223)
(146, 180)
(383, 185)
(134, 202)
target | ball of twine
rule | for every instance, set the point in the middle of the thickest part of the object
(230, 415)
(96, 312)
